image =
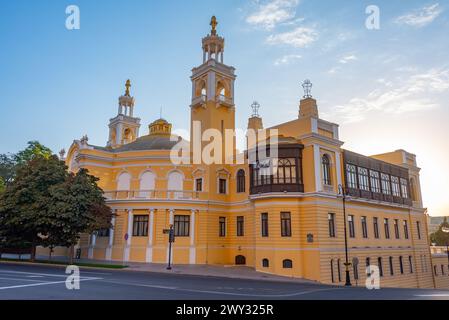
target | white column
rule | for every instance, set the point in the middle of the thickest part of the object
(316, 156)
(130, 235)
(171, 220)
(93, 241)
(118, 134)
(338, 167)
(192, 250)
(111, 238)
(149, 253)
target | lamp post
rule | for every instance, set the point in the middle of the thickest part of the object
(446, 230)
(342, 192)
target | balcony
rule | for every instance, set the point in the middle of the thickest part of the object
(199, 101)
(224, 101)
(151, 195)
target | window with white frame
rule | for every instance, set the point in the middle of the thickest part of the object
(375, 182)
(404, 188)
(351, 175)
(363, 179)
(395, 186)
(385, 182)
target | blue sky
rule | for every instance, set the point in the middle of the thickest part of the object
(387, 88)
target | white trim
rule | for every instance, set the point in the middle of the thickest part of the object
(338, 168)
(317, 161)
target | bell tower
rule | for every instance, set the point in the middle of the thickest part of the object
(212, 105)
(124, 128)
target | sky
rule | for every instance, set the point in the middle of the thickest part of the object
(387, 87)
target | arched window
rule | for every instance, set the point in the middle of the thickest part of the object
(124, 182)
(325, 162)
(240, 260)
(241, 180)
(286, 172)
(287, 264)
(265, 263)
(175, 183)
(147, 184)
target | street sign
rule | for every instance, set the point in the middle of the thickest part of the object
(126, 237)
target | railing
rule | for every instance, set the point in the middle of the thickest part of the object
(224, 100)
(151, 194)
(199, 100)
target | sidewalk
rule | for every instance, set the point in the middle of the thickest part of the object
(236, 272)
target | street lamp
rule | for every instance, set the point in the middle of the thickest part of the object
(342, 193)
(446, 230)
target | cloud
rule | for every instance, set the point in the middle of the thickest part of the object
(287, 59)
(299, 38)
(272, 13)
(333, 70)
(414, 93)
(421, 17)
(347, 58)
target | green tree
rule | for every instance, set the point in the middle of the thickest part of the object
(77, 206)
(9, 163)
(2, 185)
(440, 237)
(24, 206)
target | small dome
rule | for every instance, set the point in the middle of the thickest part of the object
(160, 127)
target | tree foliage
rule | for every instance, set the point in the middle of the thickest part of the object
(439, 237)
(46, 205)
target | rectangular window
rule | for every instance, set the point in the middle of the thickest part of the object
(391, 266)
(418, 229)
(352, 176)
(285, 171)
(364, 228)
(405, 229)
(351, 226)
(381, 269)
(386, 228)
(182, 226)
(222, 186)
(199, 184)
(396, 228)
(376, 227)
(331, 222)
(385, 182)
(140, 226)
(363, 179)
(410, 263)
(240, 226)
(395, 186)
(404, 188)
(286, 224)
(222, 226)
(375, 182)
(401, 265)
(264, 226)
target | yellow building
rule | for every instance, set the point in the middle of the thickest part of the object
(288, 223)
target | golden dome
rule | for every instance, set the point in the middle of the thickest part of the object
(160, 127)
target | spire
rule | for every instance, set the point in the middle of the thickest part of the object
(307, 105)
(255, 106)
(213, 24)
(213, 45)
(127, 85)
(307, 86)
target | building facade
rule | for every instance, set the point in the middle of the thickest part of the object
(289, 222)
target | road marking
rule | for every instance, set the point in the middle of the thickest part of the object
(17, 279)
(28, 274)
(433, 295)
(42, 284)
(222, 292)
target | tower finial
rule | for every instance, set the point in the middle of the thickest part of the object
(255, 106)
(127, 85)
(213, 23)
(307, 86)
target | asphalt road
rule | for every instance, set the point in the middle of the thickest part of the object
(48, 282)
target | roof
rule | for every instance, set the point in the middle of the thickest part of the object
(148, 142)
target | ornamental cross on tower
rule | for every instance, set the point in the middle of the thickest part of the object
(255, 106)
(127, 85)
(307, 86)
(213, 23)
